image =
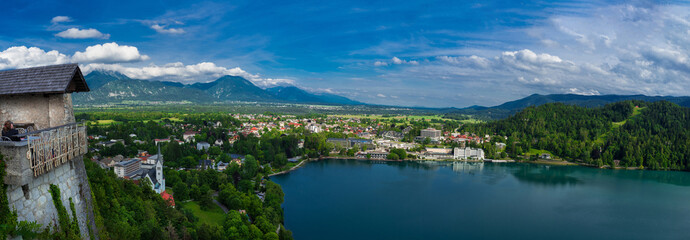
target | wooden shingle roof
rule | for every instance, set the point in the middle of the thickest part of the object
(53, 79)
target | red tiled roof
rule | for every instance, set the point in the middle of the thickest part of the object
(168, 198)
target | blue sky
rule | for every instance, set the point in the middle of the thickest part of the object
(411, 53)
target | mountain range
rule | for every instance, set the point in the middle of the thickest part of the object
(116, 88)
(509, 108)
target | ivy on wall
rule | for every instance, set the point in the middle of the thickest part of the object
(67, 229)
(8, 218)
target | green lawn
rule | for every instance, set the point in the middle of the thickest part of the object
(538, 152)
(614, 125)
(104, 122)
(214, 215)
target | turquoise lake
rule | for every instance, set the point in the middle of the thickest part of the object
(357, 199)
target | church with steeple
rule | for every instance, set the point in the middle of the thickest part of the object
(153, 171)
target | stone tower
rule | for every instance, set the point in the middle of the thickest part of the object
(51, 145)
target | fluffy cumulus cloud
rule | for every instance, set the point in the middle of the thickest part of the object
(109, 53)
(76, 33)
(179, 72)
(23, 57)
(112, 56)
(60, 19)
(162, 29)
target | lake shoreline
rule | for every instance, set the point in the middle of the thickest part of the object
(538, 162)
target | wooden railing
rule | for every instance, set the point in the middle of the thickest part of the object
(52, 147)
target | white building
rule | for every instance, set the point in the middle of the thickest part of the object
(314, 128)
(127, 168)
(468, 153)
(431, 133)
(203, 146)
(188, 136)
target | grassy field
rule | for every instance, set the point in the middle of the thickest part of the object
(538, 152)
(104, 122)
(614, 125)
(110, 121)
(214, 215)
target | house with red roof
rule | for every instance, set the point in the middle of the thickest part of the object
(168, 198)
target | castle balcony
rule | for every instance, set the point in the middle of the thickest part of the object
(41, 151)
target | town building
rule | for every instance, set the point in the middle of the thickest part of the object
(222, 166)
(392, 135)
(128, 168)
(372, 155)
(468, 153)
(500, 146)
(431, 133)
(454, 153)
(206, 164)
(203, 146)
(438, 153)
(169, 199)
(351, 142)
(188, 136)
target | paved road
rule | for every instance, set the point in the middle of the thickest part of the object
(225, 209)
(293, 168)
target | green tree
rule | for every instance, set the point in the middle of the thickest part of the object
(250, 167)
(271, 236)
(180, 192)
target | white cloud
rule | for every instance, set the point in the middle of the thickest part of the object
(380, 95)
(527, 55)
(75, 33)
(380, 64)
(108, 56)
(23, 57)
(109, 53)
(590, 92)
(162, 29)
(549, 43)
(60, 19)
(471, 61)
(527, 60)
(396, 61)
(179, 72)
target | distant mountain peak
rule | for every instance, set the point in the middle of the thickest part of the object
(113, 87)
(108, 73)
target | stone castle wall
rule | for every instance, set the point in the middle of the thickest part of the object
(44, 111)
(33, 201)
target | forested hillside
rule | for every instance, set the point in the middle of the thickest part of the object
(512, 107)
(128, 210)
(652, 135)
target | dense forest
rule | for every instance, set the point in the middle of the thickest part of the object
(653, 135)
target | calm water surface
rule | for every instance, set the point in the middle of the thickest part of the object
(351, 199)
